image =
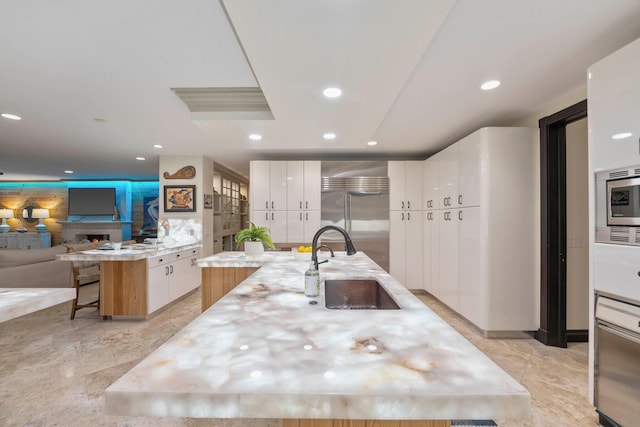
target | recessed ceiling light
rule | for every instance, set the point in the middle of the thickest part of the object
(157, 146)
(491, 84)
(140, 158)
(332, 92)
(99, 120)
(372, 143)
(255, 137)
(68, 171)
(621, 135)
(329, 135)
(10, 116)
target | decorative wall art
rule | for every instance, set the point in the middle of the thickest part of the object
(186, 172)
(179, 198)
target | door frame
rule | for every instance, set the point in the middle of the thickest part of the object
(553, 224)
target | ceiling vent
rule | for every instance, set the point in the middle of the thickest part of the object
(228, 103)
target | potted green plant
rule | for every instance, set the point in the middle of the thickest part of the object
(255, 239)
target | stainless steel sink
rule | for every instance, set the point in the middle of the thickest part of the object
(357, 294)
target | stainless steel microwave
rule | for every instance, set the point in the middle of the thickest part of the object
(623, 201)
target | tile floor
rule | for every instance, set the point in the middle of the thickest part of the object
(53, 370)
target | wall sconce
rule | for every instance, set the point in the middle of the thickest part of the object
(37, 213)
(4, 214)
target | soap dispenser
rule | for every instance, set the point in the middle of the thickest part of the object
(311, 281)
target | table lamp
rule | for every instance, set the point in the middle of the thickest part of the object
(40, 214)
(4, 214)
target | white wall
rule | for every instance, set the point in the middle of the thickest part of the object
(186, 226)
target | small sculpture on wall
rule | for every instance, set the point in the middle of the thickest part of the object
(186, 172)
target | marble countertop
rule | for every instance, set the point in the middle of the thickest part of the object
(263, 351)
(16, 302)
(127, 253)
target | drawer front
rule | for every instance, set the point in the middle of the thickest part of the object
(158, 260)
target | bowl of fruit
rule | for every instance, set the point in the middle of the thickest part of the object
(302, 253)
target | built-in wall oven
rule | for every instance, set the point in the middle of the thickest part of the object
(617, 369)
(618, 206)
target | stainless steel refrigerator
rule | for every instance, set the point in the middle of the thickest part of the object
(355, 196)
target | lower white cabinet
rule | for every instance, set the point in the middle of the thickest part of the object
(472, 293)
(405, 248)
(430, 252)
(302, 225)
(171, 276)
(275, 221)
(448, 233)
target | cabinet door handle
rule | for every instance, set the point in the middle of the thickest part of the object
(408, 216)
(266, 216)
(402, 204)
(409, 204)
(177, 255)
(402, 216)
(460, 215)
(300, 204)
(460, 199)
(307, 216)
(266, 204)
(306, 205)
(300, 216)
(272, 205)
(171, 269)
(272, 217)
(166, 271)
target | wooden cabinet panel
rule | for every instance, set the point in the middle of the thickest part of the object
(218, 281)
(123, 288)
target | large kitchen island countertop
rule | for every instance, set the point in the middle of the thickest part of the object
(263, 351)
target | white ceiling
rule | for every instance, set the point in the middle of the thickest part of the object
(410, 71)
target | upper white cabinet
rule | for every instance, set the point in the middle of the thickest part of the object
(614, 107)
(430, 184)
(303, 185)
(268, 185)
(469, 164)
(448, 177)
(405, 185)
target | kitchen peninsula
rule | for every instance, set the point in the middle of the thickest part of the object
(264, 351)
(137, 280)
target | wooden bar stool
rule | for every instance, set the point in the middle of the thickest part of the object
(82, 278)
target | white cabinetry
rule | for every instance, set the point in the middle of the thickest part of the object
(303, 200)
(448, 233)
(171, 276)
(484, 265)
(405, 222)
(285, 197)
(405, 185)
(448, 177)
(269, 197)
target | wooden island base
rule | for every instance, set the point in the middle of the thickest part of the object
(364, 423)
(218, 281)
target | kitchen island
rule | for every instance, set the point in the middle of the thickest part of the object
(137, 280)
(263, 351)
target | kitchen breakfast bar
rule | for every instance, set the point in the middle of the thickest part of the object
(265, 350)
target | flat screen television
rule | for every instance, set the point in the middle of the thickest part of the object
(91, 201)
